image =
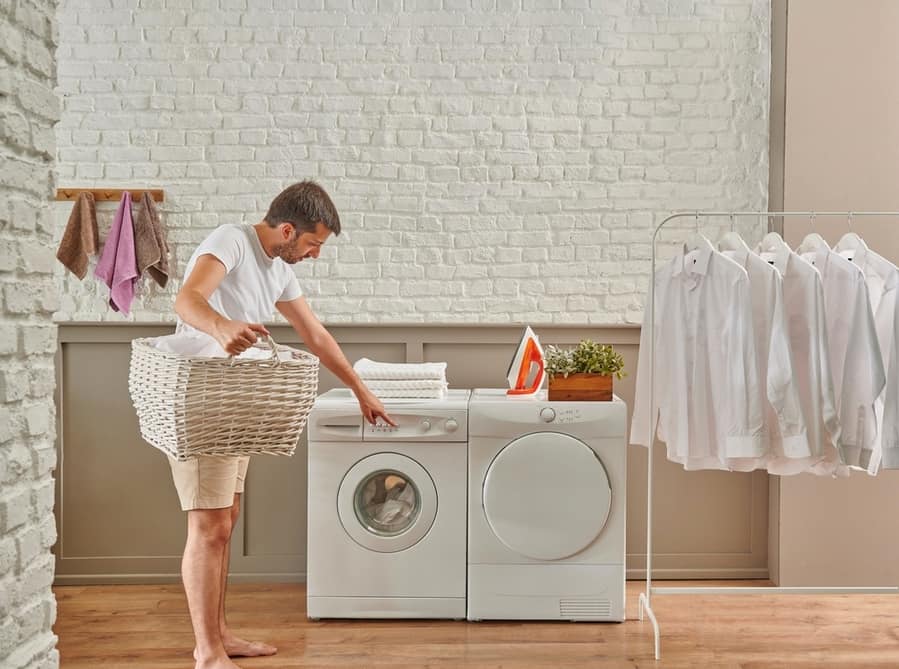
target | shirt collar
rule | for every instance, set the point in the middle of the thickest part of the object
(868, 260)
(698, 262)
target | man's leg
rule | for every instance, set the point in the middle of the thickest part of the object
(208, 531)
(235, 646)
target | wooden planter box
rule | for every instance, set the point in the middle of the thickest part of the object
(580, 387)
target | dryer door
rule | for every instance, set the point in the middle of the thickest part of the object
(547, 496)
(387, 502)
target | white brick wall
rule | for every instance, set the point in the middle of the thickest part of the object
(28, 110)
(492, 161)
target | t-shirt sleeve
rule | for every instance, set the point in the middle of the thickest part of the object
(225, 244)
(292, 288)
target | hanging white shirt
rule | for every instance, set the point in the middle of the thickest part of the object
(807, 332)
(855, 360)
(882, 281)
(784, 421)
(708, 405)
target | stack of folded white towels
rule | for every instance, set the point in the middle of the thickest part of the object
(390, 380)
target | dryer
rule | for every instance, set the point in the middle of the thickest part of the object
(386, 509)
(546, 508)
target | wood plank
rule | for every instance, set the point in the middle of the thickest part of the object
(144, 627)
(109, 194)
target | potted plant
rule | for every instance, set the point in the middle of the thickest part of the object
(584, 372)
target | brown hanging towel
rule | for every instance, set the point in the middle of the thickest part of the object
(80, 238)
(149, 241)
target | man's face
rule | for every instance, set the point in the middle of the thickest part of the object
(299, 245)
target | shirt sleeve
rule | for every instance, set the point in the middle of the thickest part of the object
(644, 420)
(781, 387)
(225, 244)
(891, 400)
(292, 288)
(745, 436)
(824, 377)
(863, 381)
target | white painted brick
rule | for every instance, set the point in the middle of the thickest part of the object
(464, 111)
(8, 555)
(15, 509)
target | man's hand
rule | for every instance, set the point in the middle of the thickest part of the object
(371, 407)
(236, 336)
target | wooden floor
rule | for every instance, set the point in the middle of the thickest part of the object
(144, 627)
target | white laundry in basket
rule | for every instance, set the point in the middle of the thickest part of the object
(196, 344)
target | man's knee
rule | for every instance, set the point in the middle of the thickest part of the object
(211, 526)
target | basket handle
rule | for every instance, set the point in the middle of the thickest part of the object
(274, 359)
(271, 342)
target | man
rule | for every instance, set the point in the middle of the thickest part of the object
(233, 281)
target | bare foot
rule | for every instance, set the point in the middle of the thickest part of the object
(223, 663)
(236, 647)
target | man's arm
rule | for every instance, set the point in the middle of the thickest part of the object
(300, 315)
(192, 305)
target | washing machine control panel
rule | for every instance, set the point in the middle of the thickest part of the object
(419, 426)
(560, 414)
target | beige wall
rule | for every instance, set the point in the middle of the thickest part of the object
(842, 153)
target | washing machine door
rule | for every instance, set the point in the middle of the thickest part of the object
(547, 496)
(387, 502)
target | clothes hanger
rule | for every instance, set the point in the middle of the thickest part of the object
(696, 242)
(772, 243)
(813, 242)
(733, 241)
(774, 250)
(851, 242)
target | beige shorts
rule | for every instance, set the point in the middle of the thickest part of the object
(209, 482)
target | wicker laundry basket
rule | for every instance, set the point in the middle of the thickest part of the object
(191, 406)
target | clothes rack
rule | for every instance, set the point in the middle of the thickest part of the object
(645, 601)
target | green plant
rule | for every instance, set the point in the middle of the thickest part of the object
(587, 357)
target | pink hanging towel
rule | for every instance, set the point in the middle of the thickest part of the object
(117, 267)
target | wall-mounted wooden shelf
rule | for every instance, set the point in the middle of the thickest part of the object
(109, 194)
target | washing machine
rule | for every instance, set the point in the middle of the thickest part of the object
(386, 509)
(546, 508)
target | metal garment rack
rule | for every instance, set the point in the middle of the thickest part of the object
(645, 602)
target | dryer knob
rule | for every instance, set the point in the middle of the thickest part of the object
(451, 425)
(425, 425)
(547, 414)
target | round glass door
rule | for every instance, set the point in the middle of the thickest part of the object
(547, 496)
(387, 502)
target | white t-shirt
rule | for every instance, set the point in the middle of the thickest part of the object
(253, 282)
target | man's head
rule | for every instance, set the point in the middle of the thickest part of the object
(304, 217)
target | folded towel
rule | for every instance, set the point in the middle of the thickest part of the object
(117, 267)
(80, 238)
(150, 246)
(370, 369)
(436, 394)
(406, 384)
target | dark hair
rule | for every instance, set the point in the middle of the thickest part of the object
(303, 205)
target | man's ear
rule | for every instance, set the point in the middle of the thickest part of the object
(287, 231)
